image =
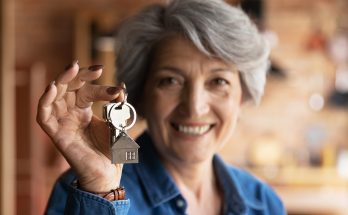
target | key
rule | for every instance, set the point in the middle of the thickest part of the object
(120, 116)
(123, 148)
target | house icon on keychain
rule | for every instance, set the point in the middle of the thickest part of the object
(124, 150)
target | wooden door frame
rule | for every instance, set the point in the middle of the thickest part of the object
(7, 104)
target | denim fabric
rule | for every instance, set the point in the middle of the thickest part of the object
(151, 190)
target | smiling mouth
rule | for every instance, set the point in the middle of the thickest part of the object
(192, 130)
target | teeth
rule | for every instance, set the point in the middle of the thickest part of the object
(193, 130)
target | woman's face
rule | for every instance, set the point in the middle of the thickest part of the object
(191, 101)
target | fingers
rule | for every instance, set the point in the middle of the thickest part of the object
(69, 73)
(65, 77)
(45, 108)
(90, 93)
(124, 95)
(71, 89)
(85, 75)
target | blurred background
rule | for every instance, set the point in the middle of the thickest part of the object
(296, 140)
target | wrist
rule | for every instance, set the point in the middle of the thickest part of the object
(114, 194)
(96, 186)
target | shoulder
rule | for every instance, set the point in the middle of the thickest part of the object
(256, 194)
(244, 178)
(249, 184)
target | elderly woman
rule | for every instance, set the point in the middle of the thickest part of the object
(188, 65)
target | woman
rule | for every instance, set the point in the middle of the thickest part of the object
(189, 66)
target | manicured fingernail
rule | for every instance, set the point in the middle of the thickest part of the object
(71, 65)
(95, 68)
(113, 90)
(49, 86)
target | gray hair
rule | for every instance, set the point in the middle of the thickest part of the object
(214, 27)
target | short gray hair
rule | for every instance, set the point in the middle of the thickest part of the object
(214, 27)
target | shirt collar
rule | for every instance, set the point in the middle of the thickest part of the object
(152, 172)
(233, 201)
(239, 189)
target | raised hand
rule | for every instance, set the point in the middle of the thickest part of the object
(65, 114)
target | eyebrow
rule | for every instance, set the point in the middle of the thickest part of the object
(174, 69)
(171, 68)
(223, 70)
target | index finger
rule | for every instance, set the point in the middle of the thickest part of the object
(91, 93)
(69, 74)
(65, 77)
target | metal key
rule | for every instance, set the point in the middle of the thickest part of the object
(124, 149)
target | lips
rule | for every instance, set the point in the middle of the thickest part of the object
(192, 129)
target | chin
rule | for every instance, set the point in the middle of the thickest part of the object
(192, 155)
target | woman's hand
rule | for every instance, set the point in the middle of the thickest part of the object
(65, 114)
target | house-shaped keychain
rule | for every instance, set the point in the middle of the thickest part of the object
(124, 149)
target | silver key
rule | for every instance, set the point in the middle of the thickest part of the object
(123, 148)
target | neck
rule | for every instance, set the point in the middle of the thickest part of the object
(195, 178)
(198, 184)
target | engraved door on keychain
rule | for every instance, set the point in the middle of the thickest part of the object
(120, 117)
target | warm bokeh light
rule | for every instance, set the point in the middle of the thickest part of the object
(296, 139)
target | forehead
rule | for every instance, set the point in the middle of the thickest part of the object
(176, 49)
(176, 46)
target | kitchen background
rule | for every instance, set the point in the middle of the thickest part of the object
(296, 139)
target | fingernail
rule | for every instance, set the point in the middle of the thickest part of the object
(123, 85)
(113, 90)
(49, 86)
(95, 68)
(71, 65)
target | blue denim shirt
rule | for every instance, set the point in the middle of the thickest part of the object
(151, 190)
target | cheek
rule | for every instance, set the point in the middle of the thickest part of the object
(228, 124)
(228, 112)
(158, 106)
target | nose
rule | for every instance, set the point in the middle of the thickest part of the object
(195, 101)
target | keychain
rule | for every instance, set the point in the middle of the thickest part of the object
(123, 148)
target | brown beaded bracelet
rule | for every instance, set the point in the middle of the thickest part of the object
(113, 195)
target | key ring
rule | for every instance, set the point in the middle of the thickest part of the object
(118, 105)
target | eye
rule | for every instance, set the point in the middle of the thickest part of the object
(168, 81)
(219, 82)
